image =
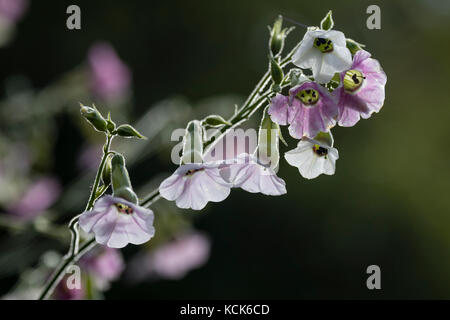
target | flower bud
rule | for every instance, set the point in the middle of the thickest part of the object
(277, 36)
(268, 141)
(214, 121)
(193, 143)
(127, 131)
(106, 174)
(276, 71)
(121, 180)
(93, 116)
(327, 23)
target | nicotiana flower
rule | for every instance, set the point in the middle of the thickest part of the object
(309, 109)
(249, 174)
(104, 265)
(193, 185)
(325, 51)
(361, 91)
(313, 157)
(110, 78)
(117, 222)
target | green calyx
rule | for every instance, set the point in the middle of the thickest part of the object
(121, 180)
(353, 79)
(308, 96)
(323, 45)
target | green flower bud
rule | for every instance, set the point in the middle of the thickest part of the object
(111, 126)
(127, 131)
(215, 121)
(268, 138)
(277, 37)
(327, 23)
(193, 143)
(106, 174)
(276, 71)
(94, 117)
(121, 180)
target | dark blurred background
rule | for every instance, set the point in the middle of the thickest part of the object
(387, 204)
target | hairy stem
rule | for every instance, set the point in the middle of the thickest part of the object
(75, 252)
(256, 98)
(244, 113)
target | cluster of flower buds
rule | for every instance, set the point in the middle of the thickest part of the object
(95, 118)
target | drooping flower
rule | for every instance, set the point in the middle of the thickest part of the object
(249, 174)
(313, 157)
(104, 265)
(110, 78)
(38, 197)
(193, 185)
(171, 260)
(361, 92)
(324, 51)
(309, 109)
(117, 222)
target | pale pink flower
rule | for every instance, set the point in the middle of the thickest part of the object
(193, 185)
(117, 222)
(248, 173)
(361, 92)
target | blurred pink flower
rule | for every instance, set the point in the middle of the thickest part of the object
(89, 158)
(172, 260)
(37, 198)
(13, 10)
(62, 292)
(110, 78)
(104, 265)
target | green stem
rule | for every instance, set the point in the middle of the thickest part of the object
(74, 251)
(67, 261)
(243, 114)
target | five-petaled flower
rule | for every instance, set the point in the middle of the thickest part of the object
(313, 157)
(193, 185)
(309, 109)
(117, 222)
(325, 52)
(361, 92)
(249, 174)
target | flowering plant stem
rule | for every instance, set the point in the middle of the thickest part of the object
(256, 98)
(75, 252)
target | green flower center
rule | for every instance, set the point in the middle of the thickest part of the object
(320, 151)
(308, 96)
(324, 45)
(353, 79)
(123, 208)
